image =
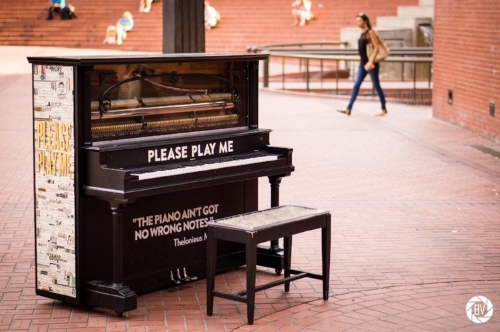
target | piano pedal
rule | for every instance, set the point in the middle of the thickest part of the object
(175, 281)
(182, 278)
(186, 276)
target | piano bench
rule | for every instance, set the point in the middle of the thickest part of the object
(260, 226)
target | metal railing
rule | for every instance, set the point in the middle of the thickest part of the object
(293, 47)
(305, 53)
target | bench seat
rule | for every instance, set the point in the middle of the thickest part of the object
(261, 226)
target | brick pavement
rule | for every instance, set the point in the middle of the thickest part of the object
(415, 234)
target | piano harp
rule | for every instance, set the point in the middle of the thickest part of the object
(133, 156)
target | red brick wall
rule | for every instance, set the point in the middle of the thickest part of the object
(259, 22)
(467, 60)
(243, 23)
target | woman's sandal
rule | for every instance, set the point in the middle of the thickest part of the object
(344, 110)
(381, 113)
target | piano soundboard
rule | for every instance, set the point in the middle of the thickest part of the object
(133, 156)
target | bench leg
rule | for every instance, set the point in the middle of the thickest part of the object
(325, 253)
(251, 264)
(211, 262)
(287, 253)
(275, 182)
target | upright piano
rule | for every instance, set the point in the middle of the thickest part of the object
(133, 155)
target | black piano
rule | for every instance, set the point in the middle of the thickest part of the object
(133, 156)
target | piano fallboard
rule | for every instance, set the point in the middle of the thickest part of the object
(150, 168)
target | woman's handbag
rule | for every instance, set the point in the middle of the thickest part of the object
(383, 50)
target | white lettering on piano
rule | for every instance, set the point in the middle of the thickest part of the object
(226, 147)
(185, 241)
(196, 151)
(165, 154)
(203, 150)
(181, 152)
(195, 224)
(174, 222)
(191, 213)
(210, 209)
(151, 154)
(143, 221)
(168, 229)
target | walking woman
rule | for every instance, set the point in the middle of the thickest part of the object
(366, 65)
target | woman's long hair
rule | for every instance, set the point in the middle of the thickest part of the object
(365, 19)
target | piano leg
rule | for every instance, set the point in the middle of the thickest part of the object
(272, 256)
(115, 295)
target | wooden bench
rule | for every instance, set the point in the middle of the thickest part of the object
(261, 226)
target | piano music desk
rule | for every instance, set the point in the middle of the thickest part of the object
(260, 226)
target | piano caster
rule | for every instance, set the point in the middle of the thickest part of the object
(119, 313)
(186, 276)
(175, 281)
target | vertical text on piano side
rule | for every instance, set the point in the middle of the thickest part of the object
(53, 146)
(51, 135)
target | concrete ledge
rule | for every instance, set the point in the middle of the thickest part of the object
(416, 11)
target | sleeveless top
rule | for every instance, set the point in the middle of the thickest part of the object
(362, 42)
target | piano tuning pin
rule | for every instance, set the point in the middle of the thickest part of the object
(177, 282)
(186, 276)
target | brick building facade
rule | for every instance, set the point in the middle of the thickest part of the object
(466, 65)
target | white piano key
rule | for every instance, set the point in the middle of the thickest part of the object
(204, 167)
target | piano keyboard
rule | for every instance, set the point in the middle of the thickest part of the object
(204, 165)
